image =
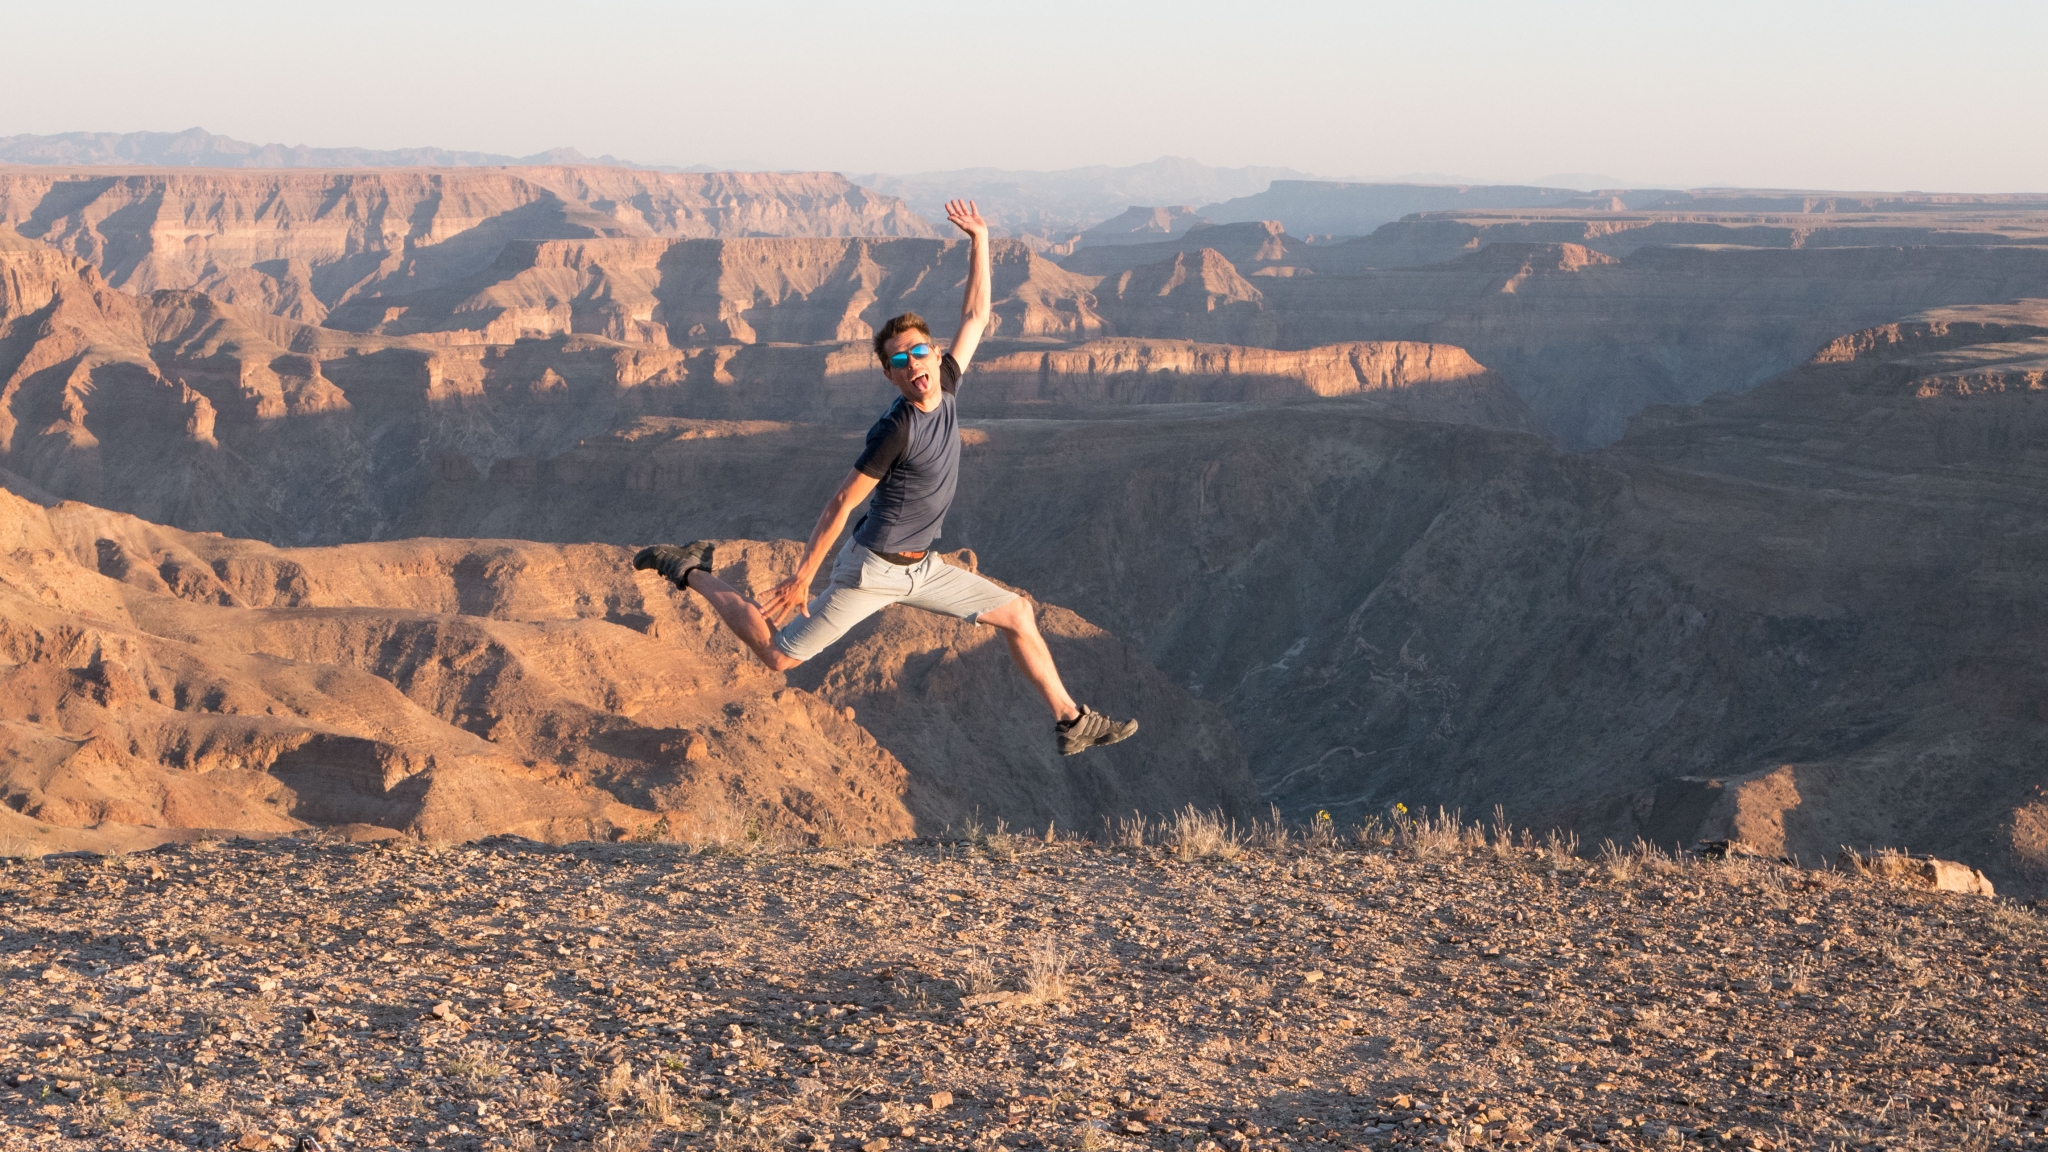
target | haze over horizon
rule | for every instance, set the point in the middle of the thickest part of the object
(1816, 95)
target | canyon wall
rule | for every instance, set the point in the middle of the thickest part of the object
(1739, 605)
(297, 243)
(1589, 312)
(161, 684)
(1589, 337)
(208, 416)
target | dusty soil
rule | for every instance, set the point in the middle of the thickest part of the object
(1002, 991)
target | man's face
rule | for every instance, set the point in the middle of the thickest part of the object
(918, 380)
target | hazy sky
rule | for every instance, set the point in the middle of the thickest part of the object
(1865, 95)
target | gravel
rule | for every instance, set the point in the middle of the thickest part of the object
(1004, 991)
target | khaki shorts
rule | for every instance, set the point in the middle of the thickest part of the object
(864, 584)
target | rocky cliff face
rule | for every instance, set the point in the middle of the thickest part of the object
(209, 416)
(1589, 314)
(1712, 292)
(1589, 330)
(159, 683)
(1412, 381)
(1805, 615)
(297, 243)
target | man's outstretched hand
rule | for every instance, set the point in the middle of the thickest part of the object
(787, 599)
(966, 217)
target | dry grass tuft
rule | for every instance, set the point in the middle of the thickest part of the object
(1442, 834)
(977, 978)
(1321, 834)
(1045, 973)
(1271, 833)
(656, 1103)
(1194, 835)
(1127, 833)
(477, 1069)
(999, 845)
(1620, 865)
(616, 1083)
(729, 833)
(1561, 843)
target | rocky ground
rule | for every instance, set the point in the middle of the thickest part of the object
(1172, 990)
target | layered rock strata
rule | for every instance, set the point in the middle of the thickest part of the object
(297, 243)
(204, 415)
(1803, 617)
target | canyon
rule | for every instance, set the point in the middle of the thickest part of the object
(1675, 515)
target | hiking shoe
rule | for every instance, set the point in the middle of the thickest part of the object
(676, 562)
(1091, 729)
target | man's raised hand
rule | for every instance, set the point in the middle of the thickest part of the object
(966, 217)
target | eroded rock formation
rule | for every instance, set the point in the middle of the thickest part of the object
(297, 243)
(1838, 629)
(187, 411)
(158, 683)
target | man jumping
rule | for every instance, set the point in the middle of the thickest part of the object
(910, 466)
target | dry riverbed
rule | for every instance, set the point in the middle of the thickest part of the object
(1004, 992)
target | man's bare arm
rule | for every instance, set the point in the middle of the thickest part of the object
(793, 595)
(975, 310)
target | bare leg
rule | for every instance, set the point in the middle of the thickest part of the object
(745, 620)
(1019, 625)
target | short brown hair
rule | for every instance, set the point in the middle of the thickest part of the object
(897, 326)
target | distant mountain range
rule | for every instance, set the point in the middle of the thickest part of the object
(1057, 205)
(1064, 202)
(1045, 203)
(198, 148)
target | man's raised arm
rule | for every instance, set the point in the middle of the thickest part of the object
(975, 308)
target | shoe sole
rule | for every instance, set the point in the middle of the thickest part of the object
(1104, 740)
(704, 564)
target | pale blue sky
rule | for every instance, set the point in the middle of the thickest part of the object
(1872, 95)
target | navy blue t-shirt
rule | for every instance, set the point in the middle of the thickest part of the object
(916, 456)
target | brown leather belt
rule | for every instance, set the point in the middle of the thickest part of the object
(906, 559)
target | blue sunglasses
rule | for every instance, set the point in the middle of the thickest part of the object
(902, 359)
